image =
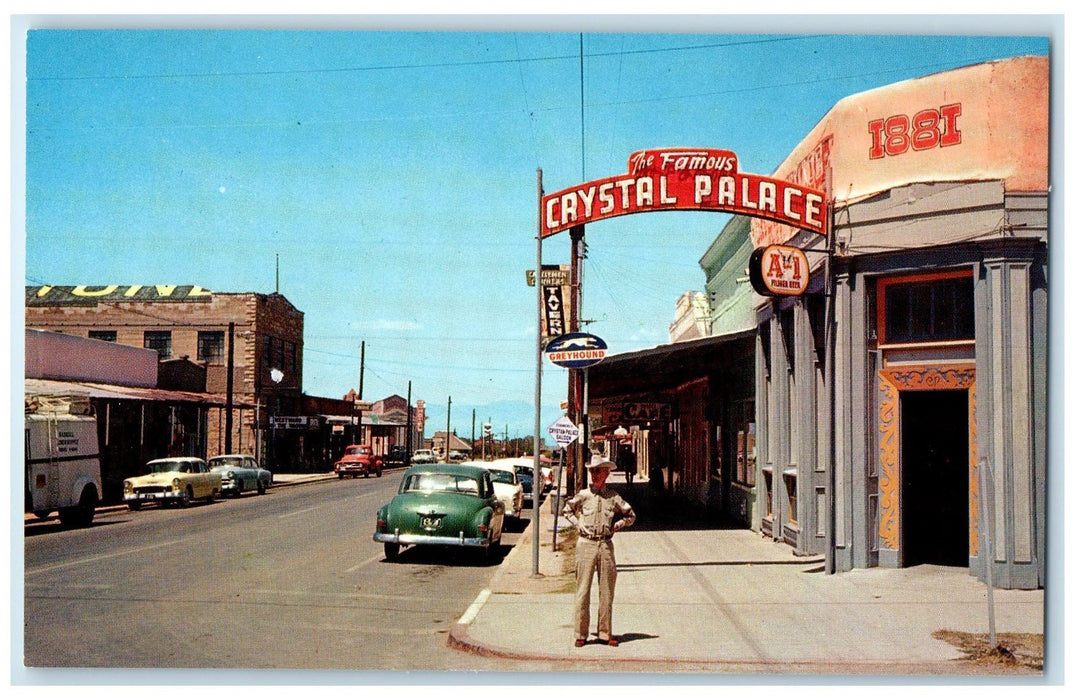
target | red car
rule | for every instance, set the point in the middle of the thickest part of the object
(358, 459)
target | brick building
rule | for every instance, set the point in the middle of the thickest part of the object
(264, 331)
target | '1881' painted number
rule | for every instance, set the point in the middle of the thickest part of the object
(930, 128)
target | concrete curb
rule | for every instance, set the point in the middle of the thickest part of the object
(279, 481)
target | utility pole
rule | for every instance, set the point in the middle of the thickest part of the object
(448, 430)
(576, 461)
(361, 376)
(410, 423)
(230, 389)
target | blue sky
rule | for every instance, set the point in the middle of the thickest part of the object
(395, 173)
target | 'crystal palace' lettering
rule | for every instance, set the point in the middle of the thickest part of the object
(663, 181)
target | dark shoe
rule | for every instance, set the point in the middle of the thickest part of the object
(580, 642)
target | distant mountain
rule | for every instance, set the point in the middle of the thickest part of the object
(516, 416)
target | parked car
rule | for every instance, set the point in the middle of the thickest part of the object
(178, 480)
(397, 456)
(240, 473)
(507, 486)
(546, 470)
(457, 456)
(423, 457)
(526, 479)
(358, 459)
(524, 470)
(442, 504)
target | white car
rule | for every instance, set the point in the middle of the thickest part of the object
(423, 457)
(240, 473)
(178, 480)
(508, 488)
(526, 463)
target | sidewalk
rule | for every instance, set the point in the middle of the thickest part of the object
(730, 600)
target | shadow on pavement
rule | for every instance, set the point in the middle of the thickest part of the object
(449, 556)
(657, 509)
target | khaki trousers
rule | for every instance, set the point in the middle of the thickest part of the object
(594, 557)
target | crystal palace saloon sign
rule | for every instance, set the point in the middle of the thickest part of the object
(698, 179)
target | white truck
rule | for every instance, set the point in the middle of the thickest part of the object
(63, 465)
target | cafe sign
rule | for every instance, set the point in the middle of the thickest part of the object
(697, 179)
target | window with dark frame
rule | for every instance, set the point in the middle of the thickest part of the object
(108, 336)
(289, 358)
(161, 341)
(211, 346)
(928, 310)
(745, 458)
(792, 486)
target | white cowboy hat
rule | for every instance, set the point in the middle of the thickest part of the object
(599, 462)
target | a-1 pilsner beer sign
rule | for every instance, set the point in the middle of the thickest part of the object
(696, 179)
(779, 270)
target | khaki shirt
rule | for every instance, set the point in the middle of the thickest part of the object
(598, 514)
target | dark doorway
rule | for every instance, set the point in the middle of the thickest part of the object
(935, 485)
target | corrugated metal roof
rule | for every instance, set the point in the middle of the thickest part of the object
(96, 390)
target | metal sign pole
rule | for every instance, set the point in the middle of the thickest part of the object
(557, 493)
(537, 396)
(830, 378)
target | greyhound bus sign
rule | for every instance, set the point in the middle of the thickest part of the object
(576, 350)
(699, 179)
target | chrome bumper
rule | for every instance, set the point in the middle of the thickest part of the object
(407, 539)
(153, 496)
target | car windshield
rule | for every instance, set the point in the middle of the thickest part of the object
(162, 467)
(357, 451)
(440, 483)
(502, 476)
(226, 462)
(527, 472)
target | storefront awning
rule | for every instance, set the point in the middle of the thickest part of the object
(95, 390)
(667, 366)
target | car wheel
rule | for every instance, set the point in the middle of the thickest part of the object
(185, 498)
(134, 505)
(238, 488)
(340, 475)
(391, 551)
(261, 487)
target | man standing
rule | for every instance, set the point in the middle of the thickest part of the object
(597, 513)
(625, 460)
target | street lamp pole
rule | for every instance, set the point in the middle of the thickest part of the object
(537, 393)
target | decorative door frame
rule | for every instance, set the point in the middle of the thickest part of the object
(899, 378)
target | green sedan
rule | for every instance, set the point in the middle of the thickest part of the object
(442, 504)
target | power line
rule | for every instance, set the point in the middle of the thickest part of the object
(413, 66)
